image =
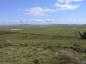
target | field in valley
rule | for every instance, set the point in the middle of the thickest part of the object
(42, 45)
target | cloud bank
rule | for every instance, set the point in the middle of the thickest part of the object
(59, 5)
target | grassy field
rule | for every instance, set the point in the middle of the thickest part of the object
(42, 45)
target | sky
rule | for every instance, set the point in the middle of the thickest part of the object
(42, 12)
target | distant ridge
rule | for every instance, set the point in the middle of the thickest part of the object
(45, 25)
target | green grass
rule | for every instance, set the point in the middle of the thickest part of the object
(41, 45)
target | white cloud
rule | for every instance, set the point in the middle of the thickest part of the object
(38, 11)
(66, 4)
(68, 1)
(75, 0)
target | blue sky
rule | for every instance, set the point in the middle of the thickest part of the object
(43, 11)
